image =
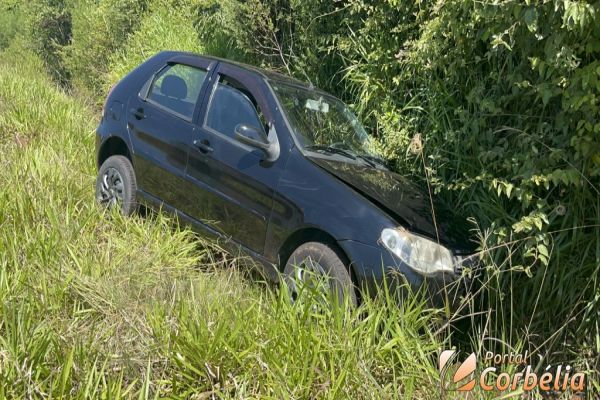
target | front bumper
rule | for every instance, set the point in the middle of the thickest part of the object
(374, 266)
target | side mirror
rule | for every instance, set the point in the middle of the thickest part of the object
(256, 138)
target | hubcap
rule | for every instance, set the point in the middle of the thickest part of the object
(111, 188)
(309, 274)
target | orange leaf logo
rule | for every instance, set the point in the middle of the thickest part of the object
(465, 369)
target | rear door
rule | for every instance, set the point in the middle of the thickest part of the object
(240, 184)
(160, 121)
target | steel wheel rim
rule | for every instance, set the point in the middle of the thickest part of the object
(310, 273)
(111, 190)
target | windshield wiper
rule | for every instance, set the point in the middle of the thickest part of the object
(368, 160)
(333, 150)
(372, 160)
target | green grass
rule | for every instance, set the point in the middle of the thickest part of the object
(155, 34)
(93, 305)
(98, 306)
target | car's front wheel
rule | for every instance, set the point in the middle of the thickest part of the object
(116, 185)
(317, 265)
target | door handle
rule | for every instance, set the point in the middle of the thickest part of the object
(203, 146)
(138, 113)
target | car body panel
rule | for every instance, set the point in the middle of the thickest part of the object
(161, 141)
(308, 197)
(235, 187)
(407, 203)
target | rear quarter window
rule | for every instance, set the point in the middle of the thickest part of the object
(176, 88)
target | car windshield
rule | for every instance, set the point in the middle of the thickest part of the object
(322, 123)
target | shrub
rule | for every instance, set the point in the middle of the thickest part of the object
(48, 29)
(166, 26)
(10, 19)
(289, 36)
(99, 29)
(504, 96)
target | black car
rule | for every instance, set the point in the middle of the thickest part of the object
(281, 169)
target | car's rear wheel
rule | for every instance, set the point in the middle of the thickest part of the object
(116, 185)
(315, 265)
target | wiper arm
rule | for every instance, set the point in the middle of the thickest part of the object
(368, 160)
(372, 160)
(333, 150)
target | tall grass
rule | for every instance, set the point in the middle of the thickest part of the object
(135, 307)
(93, 305)
(156, 33)
(98, 29)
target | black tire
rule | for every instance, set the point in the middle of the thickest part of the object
(116, 185)
(331, 264)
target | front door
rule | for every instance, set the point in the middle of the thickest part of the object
(242, 183)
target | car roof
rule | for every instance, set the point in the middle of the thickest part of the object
(265, 73)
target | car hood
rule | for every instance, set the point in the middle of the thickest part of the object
(403, 200)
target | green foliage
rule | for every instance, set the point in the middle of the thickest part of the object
(156, 33)
(510, 92)
(99, 29)
(290, 36)
(494, 103)
(48, 30)
(10, 21)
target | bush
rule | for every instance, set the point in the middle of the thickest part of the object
(10, 19)
(504, 97)
(100, 28)
(48, 29)
(290, 36)
(166, 26)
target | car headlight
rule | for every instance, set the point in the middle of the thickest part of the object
(422, 255)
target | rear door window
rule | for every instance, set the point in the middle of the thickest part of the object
(176, 88)
(232, 104)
